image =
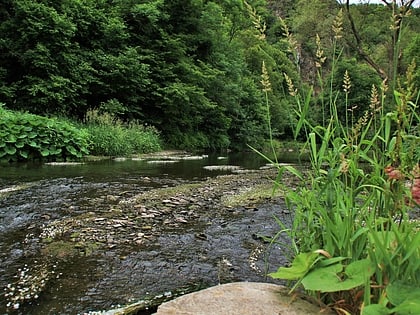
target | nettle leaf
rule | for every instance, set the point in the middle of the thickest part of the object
(333, 279)
(299, 268)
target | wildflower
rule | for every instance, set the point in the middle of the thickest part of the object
(393, 173)
(361, 122)
(415, 191)
(415, 187)
(344, 166)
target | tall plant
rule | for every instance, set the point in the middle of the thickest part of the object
(356, 247)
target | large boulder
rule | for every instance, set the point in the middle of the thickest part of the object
(241, 298)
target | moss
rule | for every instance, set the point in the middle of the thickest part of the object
(252, 195)
(63, 250)
(60, 250)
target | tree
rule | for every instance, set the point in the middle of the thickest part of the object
(399, 11)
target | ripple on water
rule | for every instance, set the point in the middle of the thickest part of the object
(197, 252)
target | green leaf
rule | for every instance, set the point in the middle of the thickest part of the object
(24, 154)
(10, 150)
(32, 135)
(45, 152)
(375, 309)
(324, 279)
(19, 144)
(33, 144)
(331, 278)
(331, 261)
(398, 293)
(408, 307)
(54, 150)
(72, 150)
(300, 267)
(360, 270)
(11, 138)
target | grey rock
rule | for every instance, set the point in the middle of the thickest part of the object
(241, 298)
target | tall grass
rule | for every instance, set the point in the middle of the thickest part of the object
(112, 137)
(356, 246)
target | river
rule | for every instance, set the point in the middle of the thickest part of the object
(90, 237)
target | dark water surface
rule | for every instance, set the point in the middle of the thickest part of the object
(215, 249)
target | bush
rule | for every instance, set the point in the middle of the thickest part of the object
(111, 137)
(26, 136)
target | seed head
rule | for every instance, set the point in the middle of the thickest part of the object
(337, 25)
(319, 53)
(346, 82)
(265, 79)
(290, 86)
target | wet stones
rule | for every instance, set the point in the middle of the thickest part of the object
(130, 224)
(29, 282)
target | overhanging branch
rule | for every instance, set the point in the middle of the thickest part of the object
(359, 45)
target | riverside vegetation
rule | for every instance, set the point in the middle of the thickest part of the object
(189, 68)
(25, 136)
(355, 241)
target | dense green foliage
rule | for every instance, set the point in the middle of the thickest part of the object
(189, 68)
(177, 65)
(27, 137)
(111, 137)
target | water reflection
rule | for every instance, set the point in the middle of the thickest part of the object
(124, 169)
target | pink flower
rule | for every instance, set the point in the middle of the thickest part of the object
(393, 173)
(415, 191)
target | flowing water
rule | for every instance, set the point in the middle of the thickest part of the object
(40, 276)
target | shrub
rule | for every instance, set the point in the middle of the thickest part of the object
(26, 136)
(111, 137)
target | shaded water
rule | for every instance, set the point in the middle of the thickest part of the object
(212, 248)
